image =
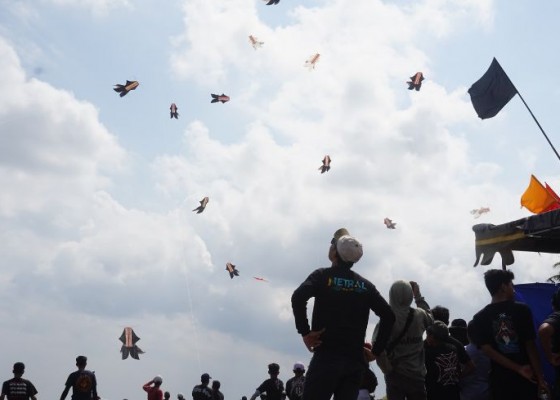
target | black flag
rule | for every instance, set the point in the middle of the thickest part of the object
(491, 92)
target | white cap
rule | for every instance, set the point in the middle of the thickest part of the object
(299, 366)
(157, 379)
(349, 249)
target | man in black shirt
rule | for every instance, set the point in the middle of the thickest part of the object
(549, 336)
(504, 331)
(273, 387)
(82, 382)
(18, 388)
(343, 300)
(202, 391)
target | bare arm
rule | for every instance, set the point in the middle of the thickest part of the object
(65, 393)
(535, 361)
(524, 370)
(546, 331)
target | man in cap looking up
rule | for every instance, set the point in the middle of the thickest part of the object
(18, 388)
(202, 391)
(82, 382)
(294, 385)
(153, 388)
(343, 300)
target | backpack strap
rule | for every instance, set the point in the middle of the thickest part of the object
(396, 341)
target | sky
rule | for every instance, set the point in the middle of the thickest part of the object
(96, 219)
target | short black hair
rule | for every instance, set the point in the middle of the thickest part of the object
(273, 368)
(441, 313)
(19, 368)
(81, 360)
(495, 278)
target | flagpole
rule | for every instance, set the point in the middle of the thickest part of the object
(539, 125)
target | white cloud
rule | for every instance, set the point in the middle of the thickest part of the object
(97, 7)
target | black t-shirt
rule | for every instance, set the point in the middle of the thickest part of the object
(343, 300)
(294, 387)
(506, 326)
(18, 389)
(554, 320)
(442, 366)
(273, 387)
(84, 385)
(201, 392)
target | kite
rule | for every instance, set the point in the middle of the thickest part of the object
(231, 269)
(390, 224)
(129, 339)
(312, 61)
(270, 2)
(255, 42)
(202, 205)
(479, 211)
(219, 97)
(259, 279)
(326, 164)
(416, 81)
(173, 113)
(127, 87)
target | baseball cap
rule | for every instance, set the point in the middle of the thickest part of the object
(340, 232)
(205, 377)
(439, 330)
(158, 379)
(349, 249)
(299, 366)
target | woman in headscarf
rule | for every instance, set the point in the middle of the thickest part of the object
(403, 361)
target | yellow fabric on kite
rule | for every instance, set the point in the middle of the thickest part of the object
(536, 198)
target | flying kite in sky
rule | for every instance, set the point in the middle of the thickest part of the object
(270, 2)
(255, 42)
(231, 269)
(202, 205)
(326, 164)
(312, 61)
(129, 339)
(259, 279)
(127, 87)
(390, 224)
(173, 113)
(477, 212)
(416, 81)
(219, 97)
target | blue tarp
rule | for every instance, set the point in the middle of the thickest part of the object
(537, 296)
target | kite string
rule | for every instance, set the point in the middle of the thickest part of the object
(193, 319)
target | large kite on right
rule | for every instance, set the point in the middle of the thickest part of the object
(129, 339)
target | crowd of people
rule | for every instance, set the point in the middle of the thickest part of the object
(421, 355)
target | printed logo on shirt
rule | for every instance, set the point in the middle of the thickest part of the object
(346, 285)
(83, 383)
(447, 366)
(504, 335)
